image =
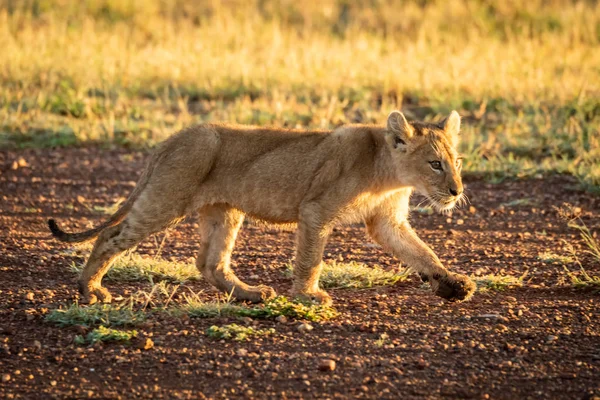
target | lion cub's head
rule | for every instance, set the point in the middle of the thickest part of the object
(425, 156)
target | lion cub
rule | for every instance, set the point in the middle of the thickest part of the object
(313, 178)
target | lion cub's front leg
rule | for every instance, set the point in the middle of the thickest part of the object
(399, 238)
(309, 253)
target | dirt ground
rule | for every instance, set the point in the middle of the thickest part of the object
(538, 341)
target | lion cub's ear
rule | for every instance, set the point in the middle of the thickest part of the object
(452, 127)
(400, 130)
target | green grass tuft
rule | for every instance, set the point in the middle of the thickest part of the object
(97, 314)
(194, 307)
(236, 332)
(104, 334)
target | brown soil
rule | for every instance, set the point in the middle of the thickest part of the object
(538, 341)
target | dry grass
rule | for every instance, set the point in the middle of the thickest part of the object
(591, 249)
(525, 75)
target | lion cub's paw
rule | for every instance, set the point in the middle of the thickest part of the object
(256, 294)
(321, 297)
(454, 287)
(94, 295)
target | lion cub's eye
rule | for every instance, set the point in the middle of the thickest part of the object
(436, 165)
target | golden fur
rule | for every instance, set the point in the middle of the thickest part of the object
(313, 178)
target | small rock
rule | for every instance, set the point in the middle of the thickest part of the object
(497, 317)
(472, 210)
(281, 319)
(551, 338)
(460, 221)
(5, 377)
(509, 346)
(422, 364)
(29, 296)
(19, 163)
(146, 344)
(242, 352)
(305, 328)
(326, 364)
(37, 345)
(247, 320)
(52, 383)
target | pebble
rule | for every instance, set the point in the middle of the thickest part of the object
(551, 338)
(282, 319)
(29, 296)
(305, 328)
(19, 163)
(242, 352)
(491, 316)
(326, 364)
(5, 377)
(52, 383)
(37, 345)
(147, 344)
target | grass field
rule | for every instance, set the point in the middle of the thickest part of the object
(524, 75)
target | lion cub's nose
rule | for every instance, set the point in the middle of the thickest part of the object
(455, 192)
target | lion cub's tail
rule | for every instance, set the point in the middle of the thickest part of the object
(114, 219)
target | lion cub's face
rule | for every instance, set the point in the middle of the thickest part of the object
(425, 156)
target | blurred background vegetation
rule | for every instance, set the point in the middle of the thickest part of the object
(525, 75)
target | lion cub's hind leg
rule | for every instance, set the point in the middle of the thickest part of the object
(219, 226)
(147, 217)
(111, 242)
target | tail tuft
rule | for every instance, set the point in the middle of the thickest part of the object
(56, 231)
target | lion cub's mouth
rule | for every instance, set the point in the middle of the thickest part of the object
(444, 205)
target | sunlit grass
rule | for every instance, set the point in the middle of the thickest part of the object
(134, 267)
(497, 282)
(133, 72)
(551, 257)
(354, 275)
